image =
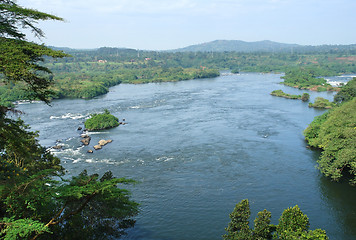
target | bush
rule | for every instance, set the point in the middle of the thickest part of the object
(101, 121)
(322, 103)
(305, 97)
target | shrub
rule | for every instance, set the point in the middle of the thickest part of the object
(101, 121)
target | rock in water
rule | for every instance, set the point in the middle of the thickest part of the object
(86, 140)
(104, 142)
(97, 147)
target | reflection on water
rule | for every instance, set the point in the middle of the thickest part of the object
(197, 148)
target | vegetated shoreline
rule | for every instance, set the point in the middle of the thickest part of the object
(314, 88)
(100, 85)
(280, 93)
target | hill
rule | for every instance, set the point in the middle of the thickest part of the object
(238, 46)
(261, 46)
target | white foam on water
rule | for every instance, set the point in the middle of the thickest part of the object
(93, 133)
(77, 160)
(164, 158)
(69, 115)
(135, 107)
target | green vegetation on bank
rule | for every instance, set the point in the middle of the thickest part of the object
(280, 93)
(306, 78)
(322, 103)
(347, 92)
(37, 200)
(293, 224)
(101, 121)
(88, 81)
(335, 133)
(95, 80)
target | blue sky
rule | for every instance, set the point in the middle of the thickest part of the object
(169, 24)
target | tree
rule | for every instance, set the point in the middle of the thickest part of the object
(36, 201)
(305, 97)
(263, 229)
(19, 59)
(335, 133)
(293, 224)
(238, 228)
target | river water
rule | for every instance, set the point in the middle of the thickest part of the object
(199, 147)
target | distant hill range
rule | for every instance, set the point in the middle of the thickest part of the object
(233, 46)
(260, 46)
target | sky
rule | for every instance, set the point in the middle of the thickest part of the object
(171, 24)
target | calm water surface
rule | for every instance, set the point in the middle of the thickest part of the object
(197, 148)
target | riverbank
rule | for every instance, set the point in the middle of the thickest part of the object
(87, 85)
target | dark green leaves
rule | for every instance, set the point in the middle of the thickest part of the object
(293, 224)
(101, 121)
(19, 63)
(335, 134)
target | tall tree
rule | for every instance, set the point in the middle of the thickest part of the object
(20, 59)
(36, 202)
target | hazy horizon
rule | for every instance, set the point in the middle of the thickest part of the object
(166, 25)
(123, 47)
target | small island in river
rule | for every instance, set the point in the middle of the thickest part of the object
(101, 121)
(280, 93)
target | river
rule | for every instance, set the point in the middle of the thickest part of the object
(197, 148)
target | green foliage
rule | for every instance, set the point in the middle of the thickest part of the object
(280, 93)
(35, 199)
(19, 63)
(292, 221)
(263, 229)
(305, 78)
(293, 224)
(311, 133)
(335, 134)
(101, 121)
(238, 228)
(305, 97)
(322, 103)
(347, 92)
(22, 228)
(86, 204)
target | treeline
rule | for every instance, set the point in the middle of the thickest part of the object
(336, 61)
(95, 80)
